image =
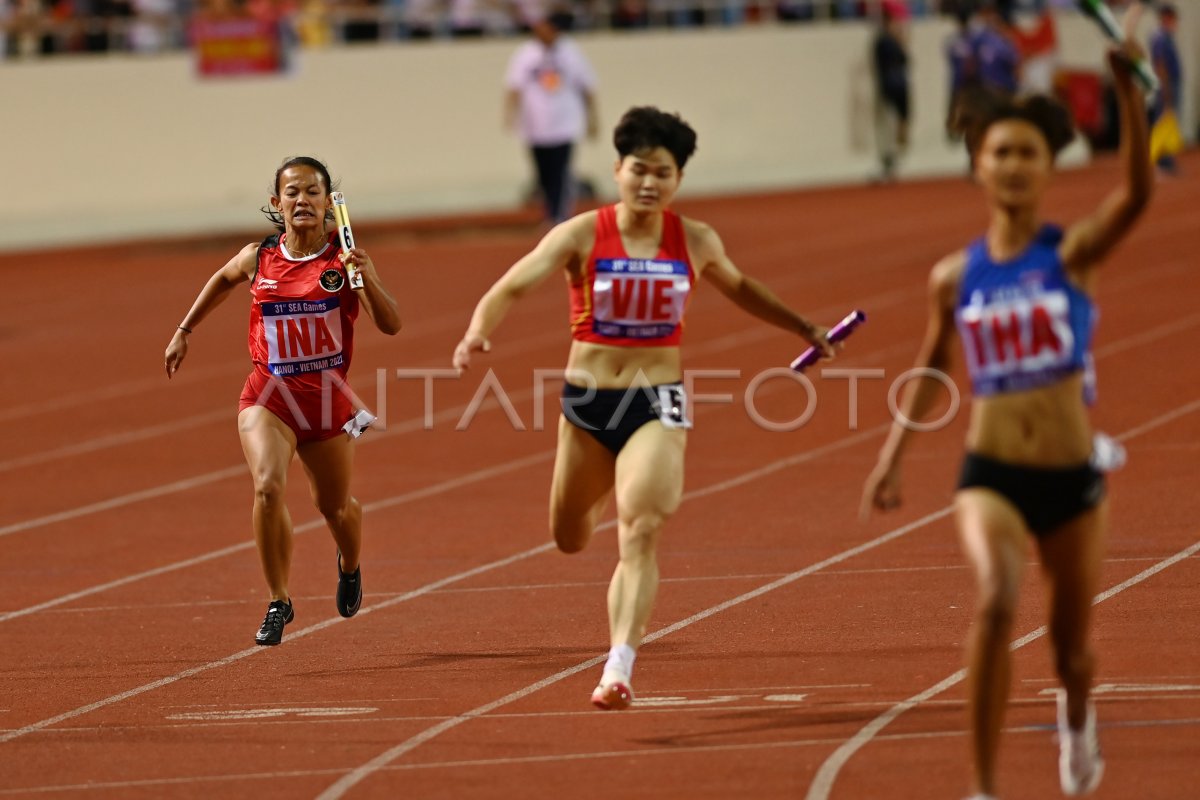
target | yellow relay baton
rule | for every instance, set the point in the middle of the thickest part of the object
(342, 216)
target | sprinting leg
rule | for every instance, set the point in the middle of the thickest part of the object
(995, 542)
(1072, 560)
(649, 485)
(579, 491)
(268, 445)
(328, 464)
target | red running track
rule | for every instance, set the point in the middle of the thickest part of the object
(795, 653)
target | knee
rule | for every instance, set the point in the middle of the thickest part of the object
(639, 535)
(268, 490)
(570, 536)
(997, 608)
(334, 510)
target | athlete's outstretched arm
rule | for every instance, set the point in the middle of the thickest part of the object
(238, 269)
(749, 294)
(882, 489)
(1087, 242)
(552, 253)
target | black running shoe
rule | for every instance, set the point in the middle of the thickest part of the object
(279, 613)
(349, 591)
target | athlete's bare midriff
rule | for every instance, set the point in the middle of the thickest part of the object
(1042, 427)
(619, 367)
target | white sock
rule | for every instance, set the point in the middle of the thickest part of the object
(619, 666)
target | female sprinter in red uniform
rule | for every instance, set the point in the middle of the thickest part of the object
(1020, 298)
(631, 268)
(297, 400)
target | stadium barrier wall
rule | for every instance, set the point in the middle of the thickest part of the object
(122, 146)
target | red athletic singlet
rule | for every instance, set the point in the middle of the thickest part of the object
(632, 302)
(301, 338)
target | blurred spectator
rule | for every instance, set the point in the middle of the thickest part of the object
(361, 22)
(476, 18)
(1166, 140)
(687, 13)
(562, 13)
(312, 24)
(795, 10)
(5, 27)
(550, 99)
(960, 59)
(848, 9)
(31, 30)
(150, 30)
(890, 59)
(628, 14)
(466, 19)
(95, 21)
(421, 18)
(996, 57)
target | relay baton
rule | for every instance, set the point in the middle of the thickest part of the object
(1102, 14)
(838, 332)
(342, 217)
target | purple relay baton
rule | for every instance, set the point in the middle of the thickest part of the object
(838, 332)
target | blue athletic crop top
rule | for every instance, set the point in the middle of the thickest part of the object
(1023, 324)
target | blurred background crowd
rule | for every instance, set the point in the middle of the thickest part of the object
(40, 28)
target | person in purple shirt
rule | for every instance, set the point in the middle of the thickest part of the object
(960, 58)
(996, 58)
(1164, 55)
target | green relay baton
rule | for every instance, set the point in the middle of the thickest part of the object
(1102, 14)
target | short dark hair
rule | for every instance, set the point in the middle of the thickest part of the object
(979, 108)
(644, 128)
(297, 161)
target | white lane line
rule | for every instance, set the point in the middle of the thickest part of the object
(46, 405)
(533, 587)
(684, 751)
(407, 497)
(823, 782)
(1149, 335)
(521, 588)
(114, 440)
(776, 466)
(357, 775)
(766, 703)
(125, 499)
(1159, 421)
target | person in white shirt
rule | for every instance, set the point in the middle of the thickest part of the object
(550, 101)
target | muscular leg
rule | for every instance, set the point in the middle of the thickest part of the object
(1071, 561)
(994, 539)
(649, 486)
(328, 465)
(583, 480)
(268, 445)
